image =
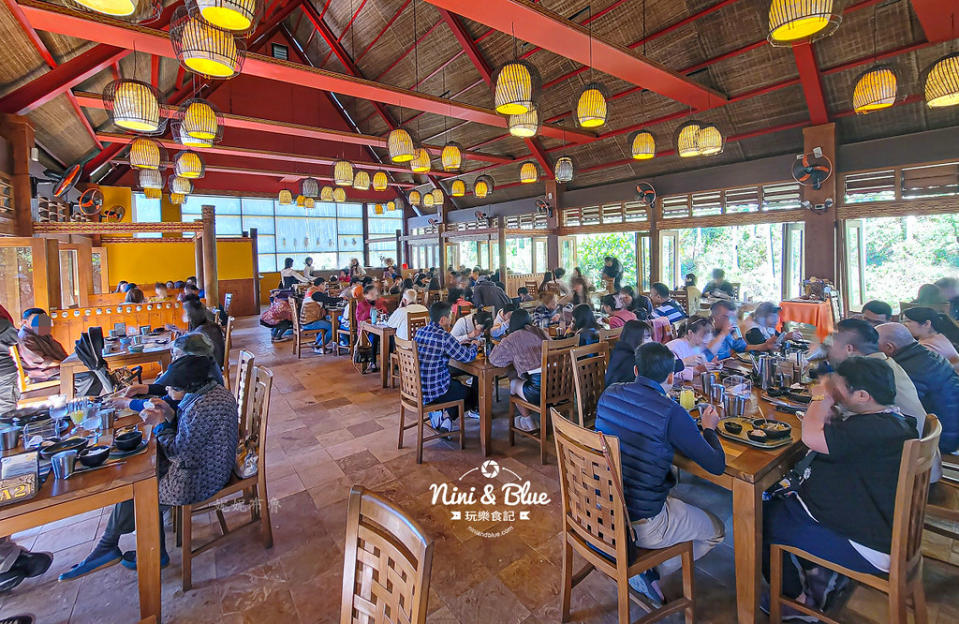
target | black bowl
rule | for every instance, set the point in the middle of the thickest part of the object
(70, 444)
(128, 440)
(93, 456)
(757, 435)
(775, 429)
(732, 426)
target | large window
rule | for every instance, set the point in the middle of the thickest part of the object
(383, 226)
(146, 210)
(591, 249)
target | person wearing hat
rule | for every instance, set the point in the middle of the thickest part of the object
(196, 452)
(766, 319)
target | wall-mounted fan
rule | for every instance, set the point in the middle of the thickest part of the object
(91, 202)
(543, 207)
(646, 193)
(812, 169)
(433, 221)
(114, 214)
(482, 218)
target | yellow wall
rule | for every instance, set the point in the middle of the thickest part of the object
(268, 282)
(146, 262)
(170, 212)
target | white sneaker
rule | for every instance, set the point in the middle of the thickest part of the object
(526, 423)
(449, 425)
(472, 414)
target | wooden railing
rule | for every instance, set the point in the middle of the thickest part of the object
(69, 324)
(114, 298)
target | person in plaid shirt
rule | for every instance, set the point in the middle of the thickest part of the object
(436, 346)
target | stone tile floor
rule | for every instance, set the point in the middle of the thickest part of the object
(331, 428)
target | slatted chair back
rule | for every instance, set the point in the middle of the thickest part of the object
(593, 514)
(387, 563)
(463, 310)
(416, 321)
(912, 491)
(241, 385)
(261, 387)
(589, 378)
(295, 312)
(227, 345)
(411, 391)
(610, 336)
(532, 286)
(682, 298)
(556, 383)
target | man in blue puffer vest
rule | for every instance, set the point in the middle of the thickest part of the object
(651, 427)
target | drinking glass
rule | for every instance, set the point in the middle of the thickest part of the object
(58, 411)
(737, 385)
(687, 398)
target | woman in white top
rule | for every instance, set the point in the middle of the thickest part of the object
(289, 276)
(692, 348)
(400, 317)
(355, 269)
(468, 327)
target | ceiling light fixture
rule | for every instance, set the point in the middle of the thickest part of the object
(563, 170)
(941, 86)
(204, 48)
(793, 21)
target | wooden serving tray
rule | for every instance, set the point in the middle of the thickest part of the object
(747, 424)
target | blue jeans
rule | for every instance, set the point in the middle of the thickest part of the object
(786, 522)
(321, 324)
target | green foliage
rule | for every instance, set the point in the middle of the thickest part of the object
(592, 248)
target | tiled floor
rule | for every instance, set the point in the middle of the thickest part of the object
(331, 428)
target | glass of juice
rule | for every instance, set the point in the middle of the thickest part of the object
(687, 398)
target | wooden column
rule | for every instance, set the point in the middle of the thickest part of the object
(553, 198)
(820, 236)
(441, 230)
(501, 237)
(18, 132)
(655, 249)
(256, 266)
(399, 249)
(46, 261)
(198, 258)
(366, 235)
(210, 283)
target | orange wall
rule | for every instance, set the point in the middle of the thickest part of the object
(146, 261)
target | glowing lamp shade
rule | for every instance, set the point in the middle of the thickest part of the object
(428, 201)
(458, 188)
(687, 144)
(380, 181)
(875, 90)
(391, 205)
(591, 109)
(326, 194)
(134, 106)
(437, 194)
(941, 87)
(115, 8)
(710, 140)
(285, 198)
(361, 181)
(180, 185)
(421, 161)
(152, 193)
(339, 194)
(300, 201)
(343, 173)
(378, 209)
(528, 173)
(235, 15)
(200, 120)
(205, 49)
(309, 202)
(186, 140)
(791, 21)
(145, 154)
(414, 198)
(642, 145)
(188, 165)
(400, 144)
(177, 198)
(515, 83)
(483, 186)
(563, 171)
(309, 187)
(452, 156)
(524, 125)
(150, 179)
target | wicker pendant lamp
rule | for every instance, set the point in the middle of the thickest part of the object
(591, 109)
(145, 154)
(421, 161)
(528, 172)
(326, 194)
(428, 201)
(177, 199)
(452, 156)
(438, 196)
(400, 144)
(687, 145)
(186, 140)
(710, 140)
(180, 185)
(414, 198)
(642, 145)
(483, 186)
(285, 197)
(516, 85)
(134, 106)
(309, 203)
(875, 90)
(188, 165)
(204, 49)
(378, 209)
(563, 170)
(134, 11)
(309, 187)
(339, 195)
(524, 125)
(361, 181)
(300, 201)
(152, 193)
(391, 205)
(941, 85)
(380, 181)
(201, 120)
(343, 173)
(150, 180)
(457, 188)
(792, 21)
(239, 16)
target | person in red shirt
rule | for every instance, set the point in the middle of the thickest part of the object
(364, 306)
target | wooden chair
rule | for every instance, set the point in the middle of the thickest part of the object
(532, 286)
(463, 310)
(595, 523)
(227, 345)
(556, 390)
(387, 563)
(411, 400)
(252, 490)
(609, 284)
(31, 388)
(904, 581)
(610, 336)
(350, 333)
(303, 337)
(589, 378)
(415, 321)
(942, 508)
(241, 386)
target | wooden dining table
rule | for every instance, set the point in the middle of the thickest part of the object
(384, 332)
(485, 374)
(135, 478)
(749, 472)
(152, 352)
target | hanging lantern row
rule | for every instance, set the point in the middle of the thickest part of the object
(134, 106)
(695, 138)
(343, 173)
(188, 165)
(145, 154)
(200, 120)
(361, 181)
(204, 48)
(380, 181)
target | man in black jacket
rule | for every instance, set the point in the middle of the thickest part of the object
(486, 293)
(936, 382)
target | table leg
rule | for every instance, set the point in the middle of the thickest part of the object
(485, 399)
(384, 360)
(147, 511)
(748, 539)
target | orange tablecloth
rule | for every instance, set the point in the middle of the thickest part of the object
(816, 313)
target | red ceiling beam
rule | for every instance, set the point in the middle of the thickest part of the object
(552, 32)
(811, 83)
(938, 18)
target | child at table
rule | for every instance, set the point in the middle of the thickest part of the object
(364, 307)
